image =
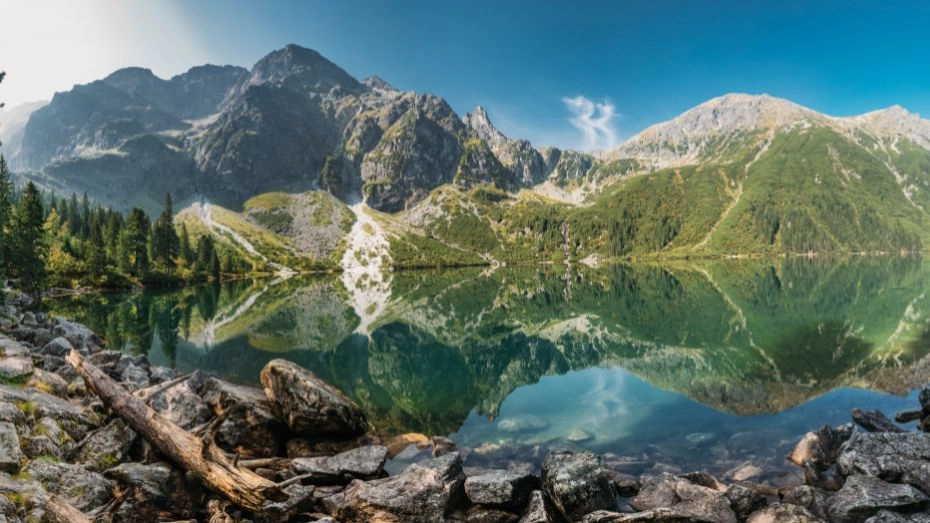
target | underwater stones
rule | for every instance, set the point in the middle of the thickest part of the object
(522, 423)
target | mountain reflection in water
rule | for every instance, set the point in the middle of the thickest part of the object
(706, 364)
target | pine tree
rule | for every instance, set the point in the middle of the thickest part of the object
(96, 256)
(6, 213)
(205, 252)
(165, 242)
(134, 242)
(185, 249)
(28, 240)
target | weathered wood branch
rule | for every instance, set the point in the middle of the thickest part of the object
(207, 462)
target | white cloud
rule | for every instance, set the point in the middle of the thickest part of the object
(594, 120)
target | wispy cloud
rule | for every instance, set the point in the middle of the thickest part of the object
(594, 120)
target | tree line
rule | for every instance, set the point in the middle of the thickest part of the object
(47, 241)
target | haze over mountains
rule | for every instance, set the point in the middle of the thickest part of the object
(738, 174)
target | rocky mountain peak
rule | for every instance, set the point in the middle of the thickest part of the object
(379, 84)
(132, 78)
(303, 68)
(479, 121)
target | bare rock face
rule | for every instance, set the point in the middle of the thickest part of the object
(577, 483)
(309, 405)
(423, 493)
(864, 496)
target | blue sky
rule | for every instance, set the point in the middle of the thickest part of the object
(530, 63)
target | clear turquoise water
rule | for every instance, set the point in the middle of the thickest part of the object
(712, 365)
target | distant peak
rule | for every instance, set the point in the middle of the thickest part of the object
(295, 61)
(479, 121)
(378, 83)
(130, 73)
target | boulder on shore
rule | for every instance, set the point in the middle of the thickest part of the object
(309, 405)
(577, 483)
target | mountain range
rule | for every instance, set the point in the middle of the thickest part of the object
(739, 174)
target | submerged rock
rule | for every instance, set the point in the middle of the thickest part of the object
(309, 405)
(577, 483)
(522, 423)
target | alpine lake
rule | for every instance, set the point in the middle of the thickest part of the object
(711, 365)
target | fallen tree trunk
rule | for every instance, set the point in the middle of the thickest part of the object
(58, 510)
(209, 463)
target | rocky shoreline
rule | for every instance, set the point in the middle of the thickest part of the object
(69, 452)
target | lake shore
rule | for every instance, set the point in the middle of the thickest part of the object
(62, 446)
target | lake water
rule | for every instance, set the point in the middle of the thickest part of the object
(704, 365)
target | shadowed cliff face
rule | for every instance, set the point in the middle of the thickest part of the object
(741, 337)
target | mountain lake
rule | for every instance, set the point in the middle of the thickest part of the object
(715, 365)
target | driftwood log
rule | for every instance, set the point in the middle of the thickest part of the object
(202, 458)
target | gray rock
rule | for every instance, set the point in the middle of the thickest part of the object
(249, 427)
(783, 513)
(79, 335)
(422, 493)
(894, 457)
(865, 496)
(134, 377)
(361, 463)
(36, 404)
(106, 447)
(501, 488)
(813, 499)
(35, 446)
(893, 517)
(59, 346)
(9, 412)
(685, 497)
(10, 452)
(480, 514)
(50, 382)
(821, 446)
(300, 500)
(309, 405)
(82, 488)
(537, 510)
(577, 483)
(9, 347)
(744, 501)
(179, 403)
(153, 490)
(15, 368)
